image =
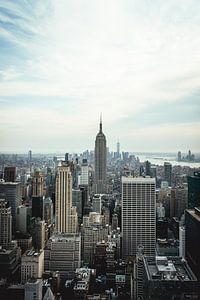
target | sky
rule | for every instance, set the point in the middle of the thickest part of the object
(63, 62)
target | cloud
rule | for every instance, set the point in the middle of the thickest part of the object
(136, 61)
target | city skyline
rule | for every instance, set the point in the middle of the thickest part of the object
(62, 63)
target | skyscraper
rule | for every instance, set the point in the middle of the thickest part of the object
(118, 150)
(192, 240)
(138, 215)
(37, 184)
(5, 223)
(63, 198)
(100, 161)
(11, 191)
(148, 168)
(168, 172)
(10, 174)
(194, 190)
(37, 194)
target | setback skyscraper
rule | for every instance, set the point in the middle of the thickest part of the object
(100, 161)
(63, 198)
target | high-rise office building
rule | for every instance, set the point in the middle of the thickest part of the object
(179, 157)
(118, 150)
(10, 174)
(48, 210)
(38, 233)
(192, 239)
(168, 172)
(77, 201)
(23, 219)
(84, 177)
(5, 223)
(148, 168)
(181, 200)
(10, 262)
(100, 161)
(138, 215)
(182, 241)
(11, 191)
(194, 190)
(37, 195)
(96, 204)
(65, 214)
(37, 184)
(29, 155)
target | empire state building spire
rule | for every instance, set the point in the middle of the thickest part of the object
(100, 160)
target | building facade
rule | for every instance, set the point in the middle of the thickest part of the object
(192, 239)
(138, 215)
(32, 265)
(194, 190)
(63, 254)
(11, 191)
(63, 198)
(5, 223)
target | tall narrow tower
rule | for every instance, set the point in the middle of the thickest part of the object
(5, 223)
(63, 198)
(37, 194)
(100, 160)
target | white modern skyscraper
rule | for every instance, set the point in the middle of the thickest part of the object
(63, 198)
(84, 173)
(138, 215)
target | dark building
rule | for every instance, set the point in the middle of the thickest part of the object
(10, 262)
(194, 190)
(162, 228)
(11, 192)
(167, 278)
(66, 158)
(38, 233)
(168, 173)
(38, 207)
(174, 227)
(10, 174)
(100, 258)
(167, 247)
(192, 239)
(148, 168)
(84, 198)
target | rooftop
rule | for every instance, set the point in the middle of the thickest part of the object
(65, 237)
(32, 253)
(167, 269)
(130, 179)
(195, 213)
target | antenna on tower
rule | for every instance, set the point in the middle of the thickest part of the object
(100, 127)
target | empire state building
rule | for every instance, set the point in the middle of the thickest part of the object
(100, 161)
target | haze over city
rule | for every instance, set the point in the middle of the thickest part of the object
(64, 62)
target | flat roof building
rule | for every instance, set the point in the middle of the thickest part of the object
(168, 278)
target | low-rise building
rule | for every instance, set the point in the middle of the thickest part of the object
(63, 253)
(32, 265)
